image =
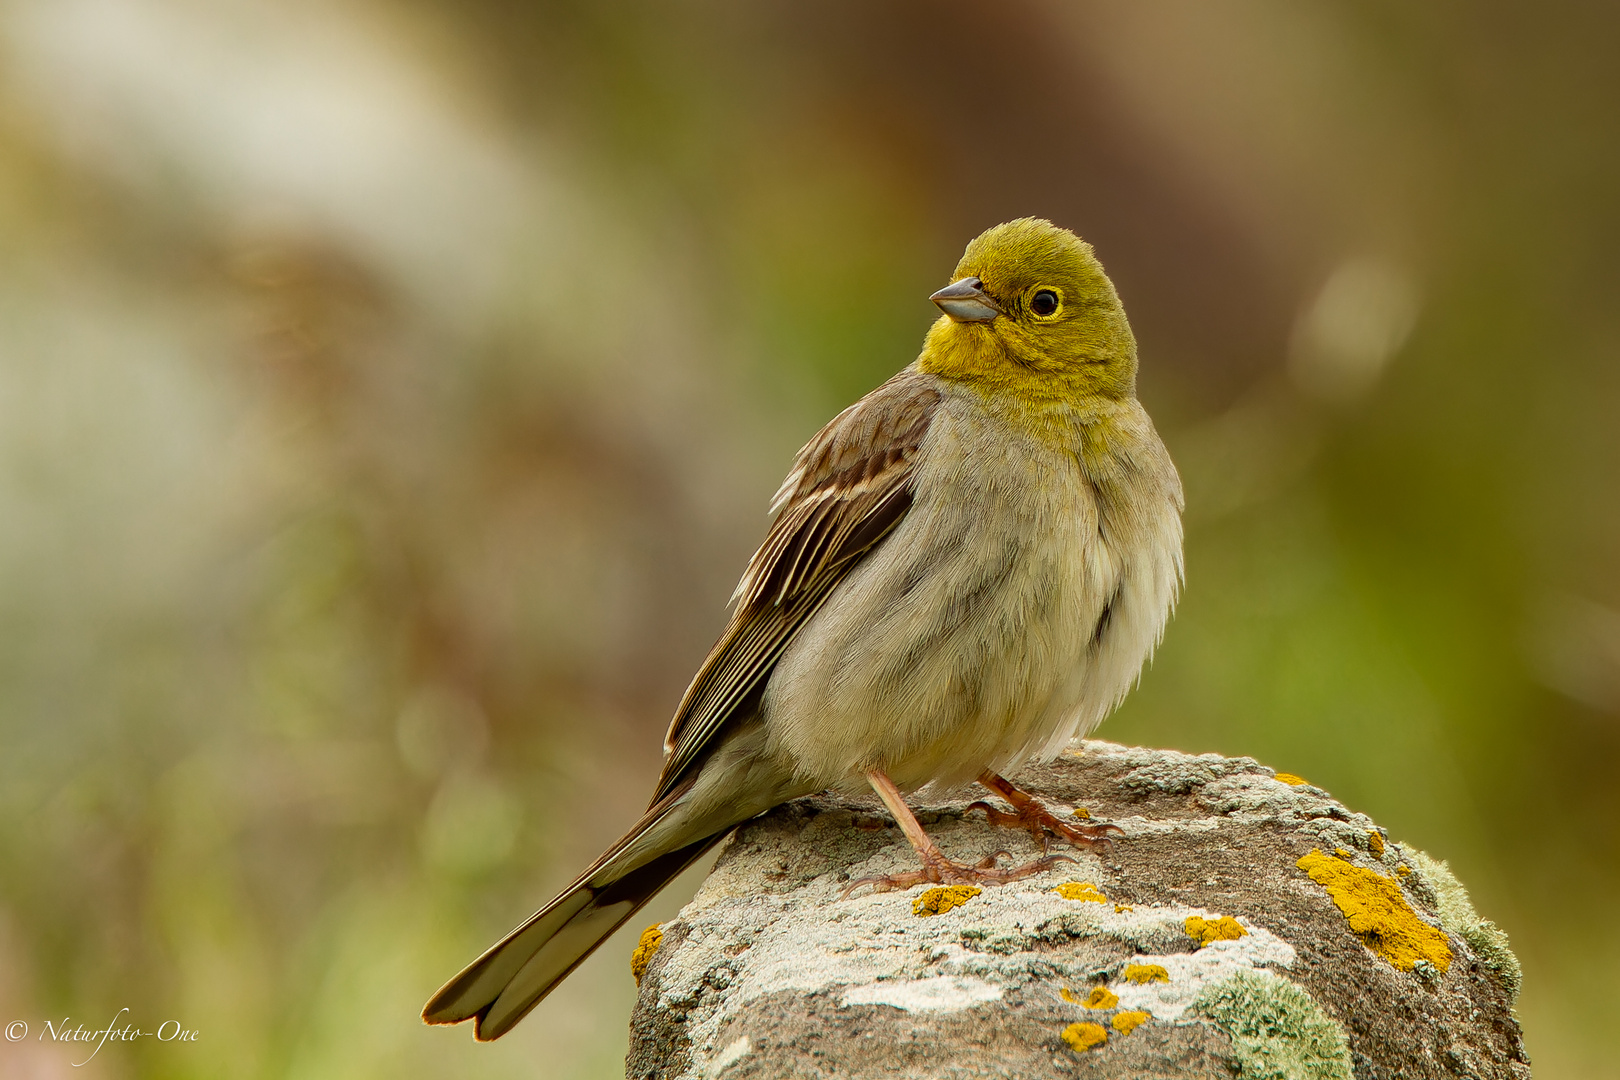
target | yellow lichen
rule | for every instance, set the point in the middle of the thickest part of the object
(1403, 870)
(1341, 853)
(1378, 913)
(1080, 890)
(1290, 779)
(1082, 813)
(1084, 1036)
(942, 898)
(1067, 995)
(1101, 998)
(1375, 841)
(1146, 973)
(651, 938)
(1118, 908)
(1127, 1022)
(1205, 931)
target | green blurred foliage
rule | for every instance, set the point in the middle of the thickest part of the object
(391, 394)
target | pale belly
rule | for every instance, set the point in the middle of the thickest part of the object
(975, 636)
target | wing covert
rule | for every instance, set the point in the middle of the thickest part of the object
(848, 488)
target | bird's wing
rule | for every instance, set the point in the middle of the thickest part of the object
(848, 488)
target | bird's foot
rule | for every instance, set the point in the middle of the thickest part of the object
(1040, 822)
(1033, 816)
(938, 870)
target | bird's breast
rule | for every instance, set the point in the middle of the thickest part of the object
(1003, 610)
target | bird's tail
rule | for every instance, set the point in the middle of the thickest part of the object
(500, 987)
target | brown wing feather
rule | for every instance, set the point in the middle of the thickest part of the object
(848, 488)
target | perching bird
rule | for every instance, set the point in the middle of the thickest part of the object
(967, 569)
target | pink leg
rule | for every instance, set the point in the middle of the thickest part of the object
(936, 868)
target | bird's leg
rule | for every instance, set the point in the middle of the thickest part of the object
(936, 868)
(1030, 813)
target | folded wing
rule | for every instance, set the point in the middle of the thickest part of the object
(849, 487)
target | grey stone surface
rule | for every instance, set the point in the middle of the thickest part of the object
(768, 974)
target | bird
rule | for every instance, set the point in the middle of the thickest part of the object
(967, 569)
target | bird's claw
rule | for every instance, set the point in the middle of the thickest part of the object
(942, 871)
(1039, 822)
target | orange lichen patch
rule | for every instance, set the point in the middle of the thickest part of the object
(1101, 998)
(942, 898)
(1080, 890)
(1205, 931)
(1127, 1022)
(1141, 974)
(1084, 1036)
(1378, 913)
(1068, 995)
(1290, 779)
(1082, 813)
(1375, 842)
(651, 938)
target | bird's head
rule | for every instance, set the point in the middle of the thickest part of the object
(1029, 312)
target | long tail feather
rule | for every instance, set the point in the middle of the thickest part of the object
(500, 987)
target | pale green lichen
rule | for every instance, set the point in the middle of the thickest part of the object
(1278, 1031)
(1488, 941)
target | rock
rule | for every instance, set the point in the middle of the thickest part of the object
(1242, 926)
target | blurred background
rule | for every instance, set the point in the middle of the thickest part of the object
(391, 393)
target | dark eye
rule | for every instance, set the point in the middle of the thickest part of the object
(1044, 302)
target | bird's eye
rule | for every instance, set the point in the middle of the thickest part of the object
(1044, 302)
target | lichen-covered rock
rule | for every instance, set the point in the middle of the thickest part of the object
(1197, 945)
(1457, 916)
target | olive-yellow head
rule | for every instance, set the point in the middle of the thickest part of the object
(1030, 314)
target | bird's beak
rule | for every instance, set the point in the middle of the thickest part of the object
(965, 301)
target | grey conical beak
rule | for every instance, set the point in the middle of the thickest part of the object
(965, 301)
